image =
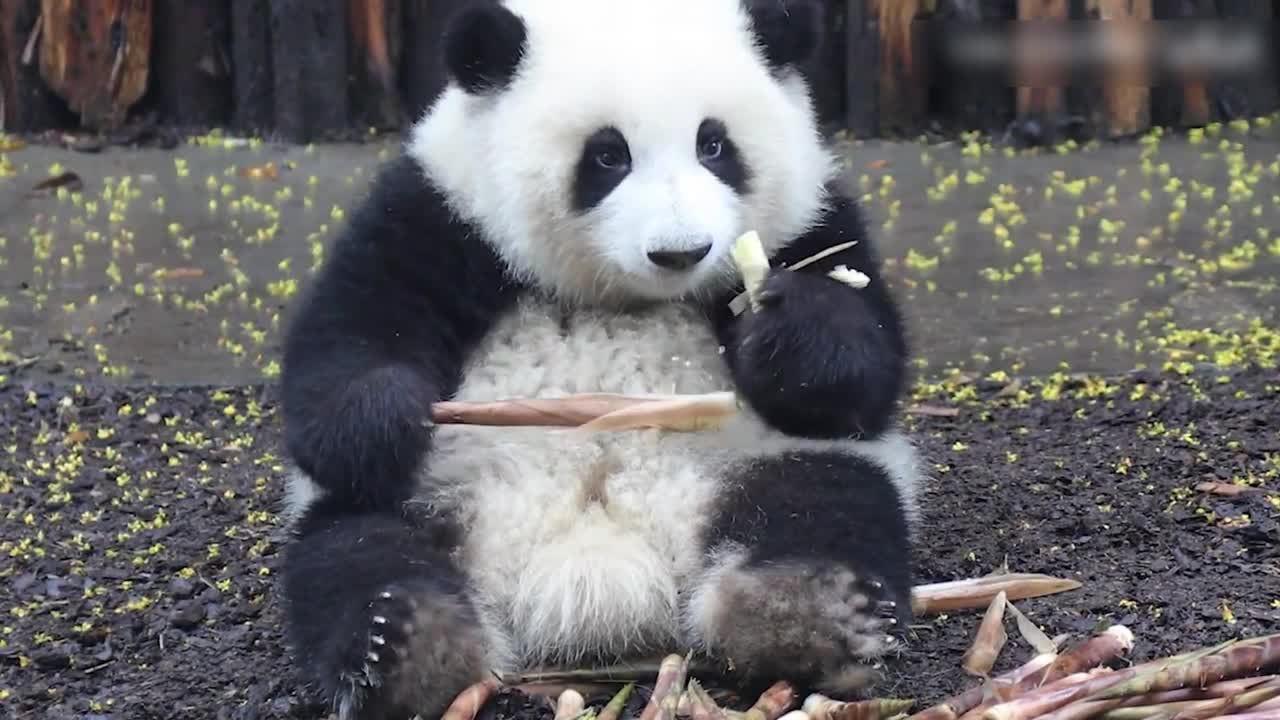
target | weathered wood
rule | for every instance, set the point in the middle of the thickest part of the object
(1249, 92)
(862, 70)
(29, 104)
(309, 68)
(423, 73)
(1125, 107)
(1183, 99)
(375, 52)
(96, 56)
(252, 86)
(825, 70)
(1040, 83)
(971, 98)
(903, 80)
(191, 63)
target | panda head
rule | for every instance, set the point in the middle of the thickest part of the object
(613, 150)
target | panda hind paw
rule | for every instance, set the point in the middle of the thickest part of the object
(416, 650)
(820, 626)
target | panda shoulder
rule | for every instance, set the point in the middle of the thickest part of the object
(404, 229)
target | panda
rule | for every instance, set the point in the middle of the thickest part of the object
(560, 221)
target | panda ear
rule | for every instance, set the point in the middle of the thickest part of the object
(789, 32)
(483, 46)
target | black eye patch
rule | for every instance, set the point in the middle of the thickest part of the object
(605, 162)
(718, 154)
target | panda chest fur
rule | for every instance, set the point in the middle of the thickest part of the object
(580, 542)
(539, 351)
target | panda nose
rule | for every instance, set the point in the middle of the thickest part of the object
(679, 259)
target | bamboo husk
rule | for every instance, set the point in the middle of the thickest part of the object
(989, 640)
(689, 414)
(597, 412)
(569, 704)
(773, 703)
(567, 411)
(671, 674)
(820, 707)
(468, 703)
(703, 707)
(977, 593)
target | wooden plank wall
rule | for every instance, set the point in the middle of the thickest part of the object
(308, 70)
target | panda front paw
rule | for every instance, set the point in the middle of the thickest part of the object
(412, 651)
(818, 358)
(822, 627)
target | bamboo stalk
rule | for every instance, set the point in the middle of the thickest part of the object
(1136, 680)
(1134, 707)
(961, 703)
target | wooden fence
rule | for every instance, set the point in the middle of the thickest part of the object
(305, 70)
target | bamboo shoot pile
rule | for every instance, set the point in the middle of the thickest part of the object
(1231, 681)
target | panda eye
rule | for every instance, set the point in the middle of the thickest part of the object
(609, 159)
(712, 136)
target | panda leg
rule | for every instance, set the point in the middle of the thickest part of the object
(380, 619)
(807, 570)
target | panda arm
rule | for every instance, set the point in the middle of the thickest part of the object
(380, 335)
(820, 358)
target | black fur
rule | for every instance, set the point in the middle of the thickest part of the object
(819, 507)
(820, 358)
(789, 32)
(380, 335)
(605, 162)
(827, 570)
(483, 46)
(727, 163)
(378, 616)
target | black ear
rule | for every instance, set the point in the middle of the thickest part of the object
(483, 46)
(789, 31)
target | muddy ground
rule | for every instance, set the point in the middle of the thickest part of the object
(1105, 319)
(144, 546)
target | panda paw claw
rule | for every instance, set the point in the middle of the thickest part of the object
(817, 625)
(417, 649)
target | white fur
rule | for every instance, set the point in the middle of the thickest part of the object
(578, 543)
(654, 70)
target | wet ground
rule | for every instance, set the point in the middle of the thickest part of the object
(140, 469)
(176, 266)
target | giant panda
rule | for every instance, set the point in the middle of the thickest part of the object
(561, 221)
